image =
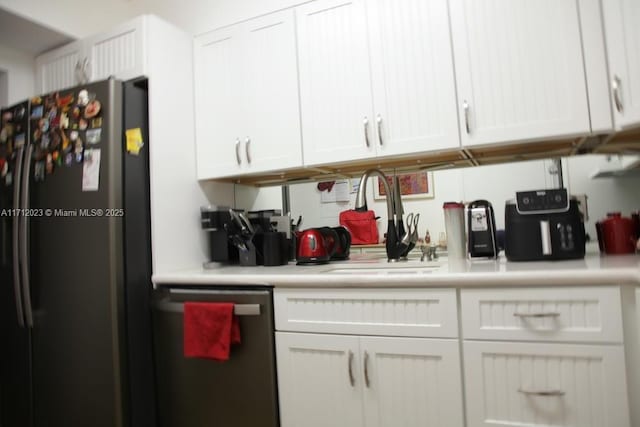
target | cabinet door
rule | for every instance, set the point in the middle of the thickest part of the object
(218, 103)
(59, 68)
(411, 382)
(519, 70)
(545, 384)
(119, 52)
(271, 124)
(412, 72)
(335, 86)
(621, 19)
(319, 383)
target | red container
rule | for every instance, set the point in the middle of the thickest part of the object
(617, 234)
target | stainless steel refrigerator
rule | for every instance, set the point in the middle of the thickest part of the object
(75, 262)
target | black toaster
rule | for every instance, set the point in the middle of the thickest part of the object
(543, 225)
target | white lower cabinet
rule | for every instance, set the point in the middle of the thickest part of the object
(335, 380)
(533, 384)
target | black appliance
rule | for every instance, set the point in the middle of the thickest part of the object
(481, 224)
(543, 225)
(76, 260)
(241, 391)
(216, 222)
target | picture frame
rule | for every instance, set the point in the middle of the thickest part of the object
(416, 185)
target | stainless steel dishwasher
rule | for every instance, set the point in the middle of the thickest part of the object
(240, 392)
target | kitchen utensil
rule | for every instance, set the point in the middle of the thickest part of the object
(454, 224)
(481, 224)
(617, 234)
(543, 225)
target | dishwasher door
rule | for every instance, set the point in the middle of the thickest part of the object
(199, 392)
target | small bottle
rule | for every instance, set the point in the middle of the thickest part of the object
(427, 238)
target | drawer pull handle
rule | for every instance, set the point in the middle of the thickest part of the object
(367, 382)
(553, 393)
(352, 379)
(538, 314)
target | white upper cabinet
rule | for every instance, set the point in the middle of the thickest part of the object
(271, 94)
(335, 84)
(376, 79)
(246, 91)
(412, 75)
(217, 70)
(119, 53)
(519, 70)
(59, 68)
(621, 18)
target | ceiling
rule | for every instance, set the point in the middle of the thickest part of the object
(20, 34)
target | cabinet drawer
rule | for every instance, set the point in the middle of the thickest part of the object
(392, 312)
(543, 314)
(533, 384)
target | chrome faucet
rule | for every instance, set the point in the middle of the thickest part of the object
(394, 245)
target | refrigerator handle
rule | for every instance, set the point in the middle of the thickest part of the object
(17, 218)
(24, 237)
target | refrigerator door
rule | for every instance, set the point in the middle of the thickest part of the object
(15, 357)
(76, 283)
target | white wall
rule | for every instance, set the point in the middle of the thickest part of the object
(621, 194)
(20, 69)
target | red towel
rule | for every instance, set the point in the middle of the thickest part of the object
(209, 329)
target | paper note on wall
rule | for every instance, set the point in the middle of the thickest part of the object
(339, 192)
(91, 170)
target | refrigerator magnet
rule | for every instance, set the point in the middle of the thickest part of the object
(36, 112)
(83, 124)
(96, 123)
(91, 170)
(93, 136)
(83, 97)
(68, 159)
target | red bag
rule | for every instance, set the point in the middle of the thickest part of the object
(361, 225)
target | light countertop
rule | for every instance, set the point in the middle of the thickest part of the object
(372, 270)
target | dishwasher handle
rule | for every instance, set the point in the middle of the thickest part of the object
(238, 309)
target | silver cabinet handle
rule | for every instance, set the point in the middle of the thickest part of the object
(24, 238)
(352, 379)
(538, 314)
(542, 392)
(465, 107)
(366, 370)
(17, 286)
(366, 130)
(238, 160)
(247, 142)
(616, 85)
(379, 121)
